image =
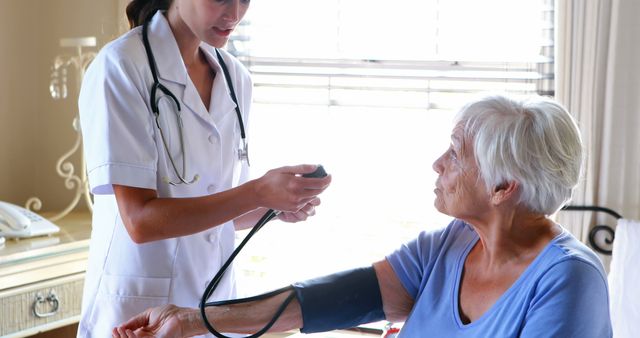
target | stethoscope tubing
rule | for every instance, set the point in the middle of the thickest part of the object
(243, 153)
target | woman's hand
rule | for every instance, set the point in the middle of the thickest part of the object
(165, 321)
(301, 215)
(285, 189)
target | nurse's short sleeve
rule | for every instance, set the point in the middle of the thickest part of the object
(117, 125)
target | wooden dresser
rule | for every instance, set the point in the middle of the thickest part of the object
(41, 279)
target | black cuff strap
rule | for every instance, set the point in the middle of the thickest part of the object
(339, 301)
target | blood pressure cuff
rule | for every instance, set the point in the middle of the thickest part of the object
(339, 301)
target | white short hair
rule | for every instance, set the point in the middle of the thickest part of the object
(535, 142)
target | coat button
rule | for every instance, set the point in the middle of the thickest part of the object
(213, 139)
(211, 188)
(212, 238)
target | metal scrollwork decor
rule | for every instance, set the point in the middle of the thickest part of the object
(593, 233)
(58, 90)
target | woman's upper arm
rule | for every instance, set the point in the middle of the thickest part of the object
(396, 302)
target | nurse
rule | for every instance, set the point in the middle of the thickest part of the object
(171, 188)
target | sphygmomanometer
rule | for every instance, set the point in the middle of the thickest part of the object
(337, 301)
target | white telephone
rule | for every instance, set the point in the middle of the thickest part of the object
(18, 222)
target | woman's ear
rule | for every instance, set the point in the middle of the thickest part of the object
(504, 191)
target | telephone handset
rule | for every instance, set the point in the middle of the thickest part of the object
(19, 222)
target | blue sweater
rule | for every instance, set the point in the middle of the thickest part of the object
(563, 292)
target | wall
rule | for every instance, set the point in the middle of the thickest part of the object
(36, 130)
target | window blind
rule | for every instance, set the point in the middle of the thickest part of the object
(437, 55)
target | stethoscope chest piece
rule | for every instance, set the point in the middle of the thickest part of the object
(243, 152)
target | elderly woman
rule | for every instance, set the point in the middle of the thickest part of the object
(501, 268)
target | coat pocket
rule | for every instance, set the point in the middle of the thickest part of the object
(121, 297)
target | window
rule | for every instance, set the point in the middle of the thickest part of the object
(369, 89)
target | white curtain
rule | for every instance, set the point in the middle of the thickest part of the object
(598, 80)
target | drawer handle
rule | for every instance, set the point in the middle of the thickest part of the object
(52, 299)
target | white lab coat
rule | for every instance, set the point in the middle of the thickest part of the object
(123, 146)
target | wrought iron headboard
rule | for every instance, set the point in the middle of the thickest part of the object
(592, 234)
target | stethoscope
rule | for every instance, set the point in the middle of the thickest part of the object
(243, 155)
(243, 152)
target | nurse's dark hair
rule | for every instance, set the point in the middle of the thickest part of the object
(139, 11)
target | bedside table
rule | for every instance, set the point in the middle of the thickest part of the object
(41, 278)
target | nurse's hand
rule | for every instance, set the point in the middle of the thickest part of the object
(163, 321)
(301, 215)
(284, 189)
